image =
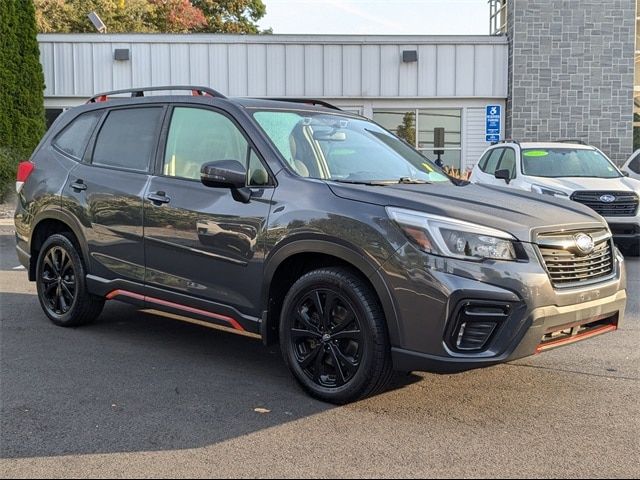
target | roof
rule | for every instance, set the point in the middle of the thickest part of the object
(574, 146)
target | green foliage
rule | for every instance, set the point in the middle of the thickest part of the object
(407, 130)
(7, 173)
(159, 16)
(22, 122)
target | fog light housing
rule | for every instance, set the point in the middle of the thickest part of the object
(475, 324)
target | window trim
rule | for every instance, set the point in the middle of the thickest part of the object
(158, 170)
(69, 124)
(88, 157)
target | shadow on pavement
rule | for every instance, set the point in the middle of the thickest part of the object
(135, 382)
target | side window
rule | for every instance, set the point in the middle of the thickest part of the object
(127, 138)
(75, 136)
(508, 162)
(198, 136)
(492, 161)
(634, 165)
(483, 161)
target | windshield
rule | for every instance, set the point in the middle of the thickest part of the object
(567, 162)
(347, 149)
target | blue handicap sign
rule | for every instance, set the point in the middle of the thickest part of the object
(494, 121)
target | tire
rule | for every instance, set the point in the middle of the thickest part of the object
(61, 285)
(631, 250)
(353, 336)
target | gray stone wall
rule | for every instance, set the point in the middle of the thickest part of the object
(572, 72)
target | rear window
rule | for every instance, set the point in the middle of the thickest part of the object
(128, 139)
(74, 137)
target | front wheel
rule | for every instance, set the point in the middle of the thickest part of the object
(333, 336)
(61, 284)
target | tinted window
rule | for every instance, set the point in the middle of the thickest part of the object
(508, 162)
(483, 161)
(127, 138)
(74, 138)
(198, 136)
(634, 165)
(492, 161)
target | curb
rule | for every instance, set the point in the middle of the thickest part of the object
(6, 222)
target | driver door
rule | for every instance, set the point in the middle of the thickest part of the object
(199, 241)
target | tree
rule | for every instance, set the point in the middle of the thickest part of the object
(22, 121)
(407, 130)
(158, 16)
(232, 16)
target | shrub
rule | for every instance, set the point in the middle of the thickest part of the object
(8, 163)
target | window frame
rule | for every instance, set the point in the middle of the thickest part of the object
(89, 152)
(57, 148)
(158, 169)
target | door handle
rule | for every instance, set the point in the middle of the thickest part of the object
(159, 198)
(79, 185)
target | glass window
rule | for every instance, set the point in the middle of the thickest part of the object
(340, 148)
(567, 162)
(483, 161)
(401, 123)
(508, 162)
(198, 136)
(492, 162)
(429, 120)
(74, 138)
(51, 114)
(128, 138)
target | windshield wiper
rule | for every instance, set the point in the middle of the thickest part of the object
(380, 183)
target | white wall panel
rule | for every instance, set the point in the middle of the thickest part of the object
(313, 70)
(199, 64)
(273, 65)
(294, 70)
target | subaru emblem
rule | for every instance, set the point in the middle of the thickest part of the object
(608, 198)
(584, 243)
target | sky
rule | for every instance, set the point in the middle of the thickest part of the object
(378, 17)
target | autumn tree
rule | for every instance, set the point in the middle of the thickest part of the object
(157, 16)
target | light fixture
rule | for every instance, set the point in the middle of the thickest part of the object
(97, 22)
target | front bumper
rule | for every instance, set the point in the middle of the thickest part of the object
(428, 300)
(540, 322)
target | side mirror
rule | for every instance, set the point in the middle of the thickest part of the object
(504, 175)
(227, 174)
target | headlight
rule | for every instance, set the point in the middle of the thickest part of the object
(453, 238)
(547, 191)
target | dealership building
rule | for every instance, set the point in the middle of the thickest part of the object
(557, 69)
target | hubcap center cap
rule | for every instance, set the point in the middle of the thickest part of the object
(326, 338)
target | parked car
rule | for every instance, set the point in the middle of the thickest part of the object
(295, 222)
(632, 166)
(570, 171)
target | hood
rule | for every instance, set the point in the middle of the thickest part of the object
(516, 212)
(570, 185)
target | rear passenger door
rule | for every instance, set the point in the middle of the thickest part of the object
(200, 241)
(105, 191)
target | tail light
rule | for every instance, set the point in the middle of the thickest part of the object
(24, 170)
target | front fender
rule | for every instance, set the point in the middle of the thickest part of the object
(344, 252)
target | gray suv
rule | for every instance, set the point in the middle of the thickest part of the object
(295, 222)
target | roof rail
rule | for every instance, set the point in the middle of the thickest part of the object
(139, 92)
(573, 140)
(308, 101)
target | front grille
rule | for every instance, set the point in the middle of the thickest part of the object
(624, 205)
(568, 267)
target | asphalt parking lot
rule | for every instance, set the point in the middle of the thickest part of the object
(141, 395)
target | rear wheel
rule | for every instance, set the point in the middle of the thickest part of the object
(60, 281)
(333, 336)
